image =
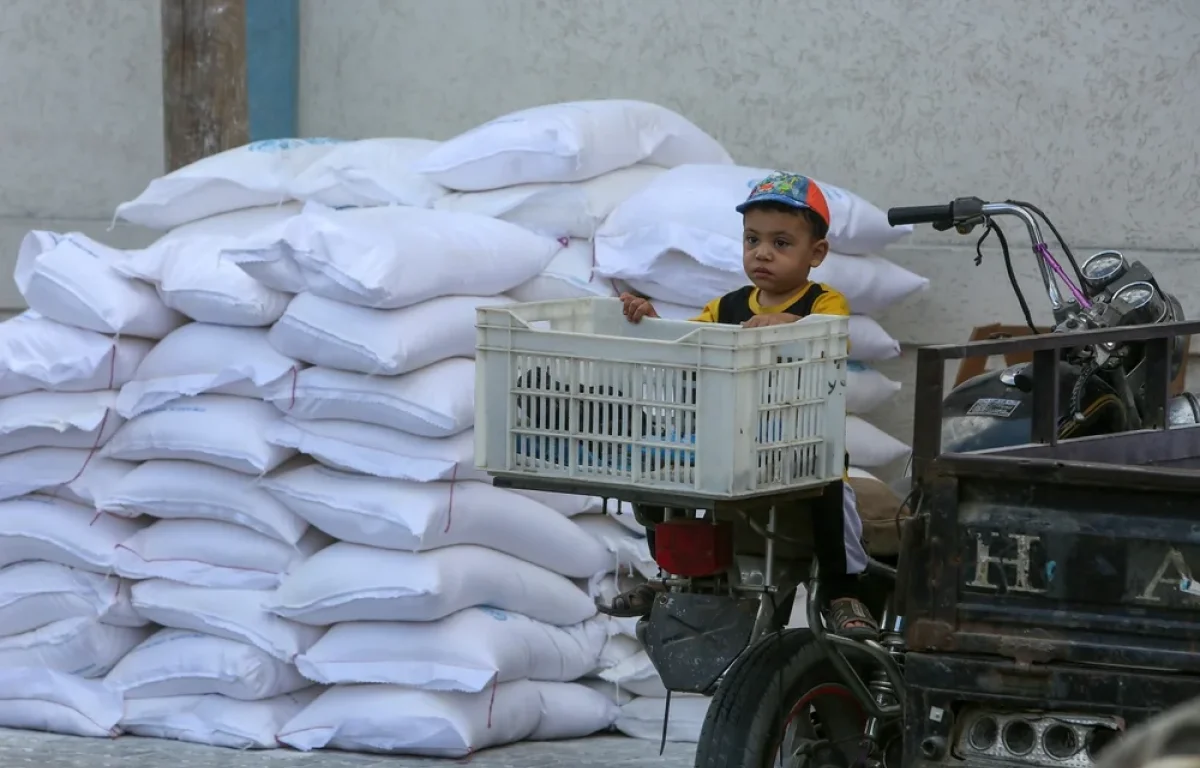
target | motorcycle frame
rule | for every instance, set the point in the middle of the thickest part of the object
(884, 697)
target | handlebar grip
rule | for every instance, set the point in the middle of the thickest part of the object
(921, 214)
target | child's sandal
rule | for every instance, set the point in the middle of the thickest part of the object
(852, 620)
(636, 603)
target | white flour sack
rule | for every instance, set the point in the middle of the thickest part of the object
(397, 720)
(372, 450)
(215, 720)
(869, 446)
(70, 278)
(869, 283)
(867, 388)
(221, 430)
(253, 175)
(565, 142)
(236, 614)
(350, 582)
(622, 513)
(202, 358)
(54, 702)
(395, 256)
(466, 651)
(571, 711)
(57, 420)
(610, 691)
(868, 340)
(376, 341)
(557, 210)
(569, 276)
(634, 673)
(80, 646)
(207, 553)
(628, 551)
(190, 490)
(34, 594)
(192, 277)
(257, 234)
(37, 353)
(76, 475)
(435, 401)
(415, 517)
(617, 646)
(564, 503)
(176, 662)
(44, 528)
(643, 718)
(369, 172)
(692, 204)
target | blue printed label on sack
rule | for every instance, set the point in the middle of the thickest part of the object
(495, 613)
(283, 145)
(179, 408)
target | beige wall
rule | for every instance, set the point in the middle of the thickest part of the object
(81, 118)
(1086, 107)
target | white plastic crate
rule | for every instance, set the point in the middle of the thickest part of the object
(573, 390)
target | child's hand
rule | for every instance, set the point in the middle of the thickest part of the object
(762, 321)
(636, 307)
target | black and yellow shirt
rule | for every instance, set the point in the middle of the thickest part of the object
(739, 306)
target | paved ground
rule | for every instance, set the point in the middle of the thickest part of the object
(20, 749)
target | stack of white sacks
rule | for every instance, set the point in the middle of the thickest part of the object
(256, 434)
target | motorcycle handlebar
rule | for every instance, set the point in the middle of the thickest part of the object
(966, 212)
(921, 214)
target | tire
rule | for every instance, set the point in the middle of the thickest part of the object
(756, 699)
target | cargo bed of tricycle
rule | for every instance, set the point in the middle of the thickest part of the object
(1071, 558)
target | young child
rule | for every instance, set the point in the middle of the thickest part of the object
(785, 220)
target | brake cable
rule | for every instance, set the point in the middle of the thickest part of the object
(1062, 244)
(992, 226)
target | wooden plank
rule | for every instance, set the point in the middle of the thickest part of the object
(205, 109)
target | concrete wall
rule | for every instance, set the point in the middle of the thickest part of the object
(80, 118)
(1086, 107)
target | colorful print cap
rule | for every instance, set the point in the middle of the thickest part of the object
(789, 189)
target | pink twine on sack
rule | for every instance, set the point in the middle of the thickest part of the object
(295, 377)
(450, 502)
(112, 377)
(492, 701)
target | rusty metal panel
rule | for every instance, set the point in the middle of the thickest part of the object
(1036, 571)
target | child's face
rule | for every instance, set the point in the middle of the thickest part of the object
(779, 250)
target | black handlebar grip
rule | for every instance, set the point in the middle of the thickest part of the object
(921, 214)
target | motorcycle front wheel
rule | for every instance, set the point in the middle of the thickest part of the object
(782, 705)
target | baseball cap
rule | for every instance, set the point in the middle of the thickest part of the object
(790, 189)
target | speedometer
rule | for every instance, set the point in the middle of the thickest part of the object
(1140, 302)
(1102, 269)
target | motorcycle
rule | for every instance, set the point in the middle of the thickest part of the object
(807, 698)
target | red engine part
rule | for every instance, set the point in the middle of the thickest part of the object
(693, 548)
